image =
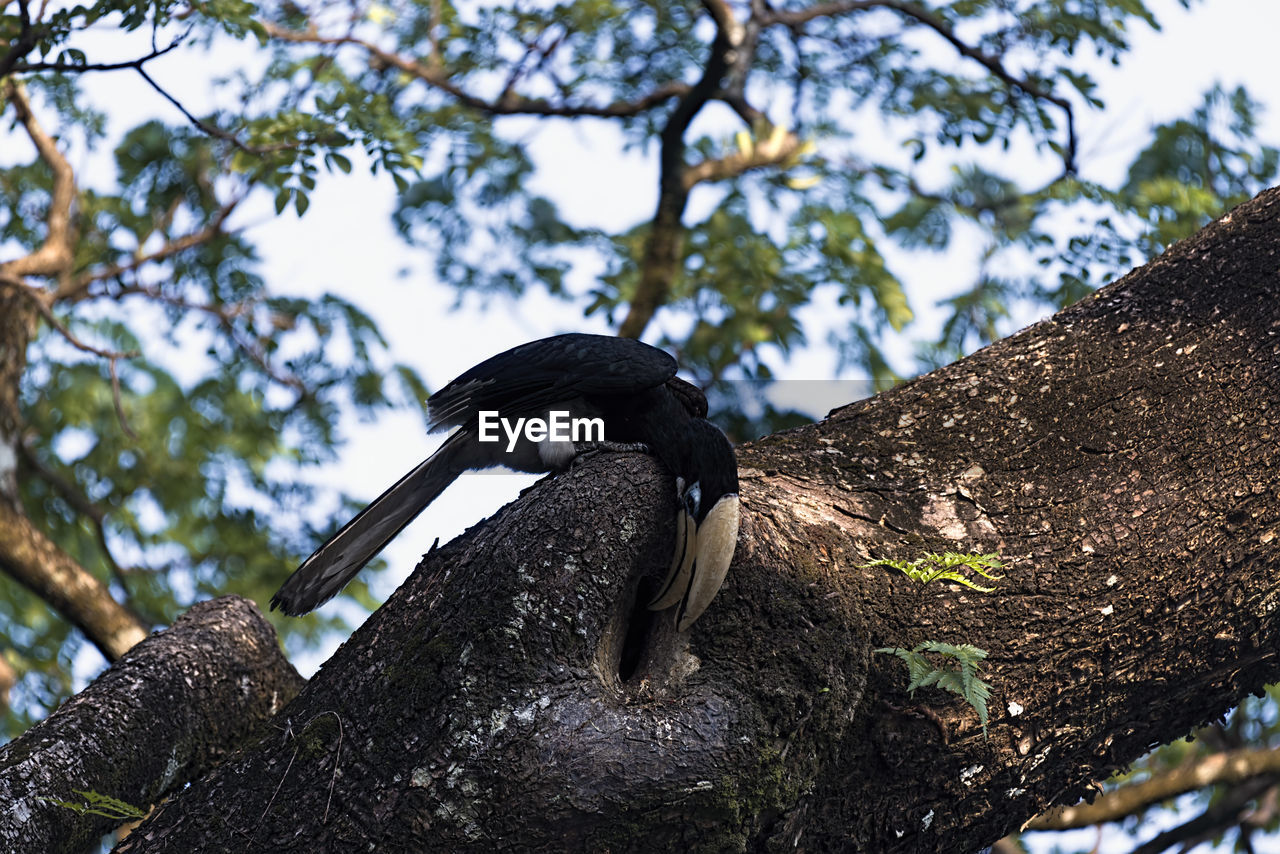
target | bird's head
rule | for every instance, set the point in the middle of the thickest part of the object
(706, 521)
(707, 472)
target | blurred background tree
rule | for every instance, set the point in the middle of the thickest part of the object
(163, 407)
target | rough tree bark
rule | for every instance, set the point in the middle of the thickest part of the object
(170, 709)
(1121, 457)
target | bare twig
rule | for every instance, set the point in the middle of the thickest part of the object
(996, 67)
(117, 402)
(337, 755)
(226, 315)
(217, 132)
(72, 67)
(225, 312)
(509, 103)
(71, 338)
(73, 495)
(40, 300)
(332, 780)
(78, 287)
(518, 67)
(798, 17)
(28, 35)
(259, 357)
(138, 65)
(267, 808)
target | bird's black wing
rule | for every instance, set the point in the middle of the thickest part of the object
(690, 397)
(541, 374)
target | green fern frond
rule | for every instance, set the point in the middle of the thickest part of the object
(958, 672)
(95, 803)
(981, 564)
(946, 567)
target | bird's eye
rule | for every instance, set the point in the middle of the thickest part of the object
(693, 498)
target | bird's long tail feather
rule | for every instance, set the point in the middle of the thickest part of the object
(331, 566)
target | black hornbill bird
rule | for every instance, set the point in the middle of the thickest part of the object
(631, 387)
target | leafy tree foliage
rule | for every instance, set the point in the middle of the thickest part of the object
(819, 141)
(169, 479)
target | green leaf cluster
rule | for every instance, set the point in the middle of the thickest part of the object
(179, 472)
(955, 670)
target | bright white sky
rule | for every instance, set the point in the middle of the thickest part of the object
(345, 244)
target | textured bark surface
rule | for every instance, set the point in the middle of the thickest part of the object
(17, 326)
(172, 707)
(1121, 457)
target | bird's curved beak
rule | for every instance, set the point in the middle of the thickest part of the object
(717, 538)
(677, 580)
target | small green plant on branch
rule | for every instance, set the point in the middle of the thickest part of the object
(946, 567)
(95, 803)
(957, 672)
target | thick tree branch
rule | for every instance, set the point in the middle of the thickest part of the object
(772, 145)
(1119, 457)
(509, 103)
(661, 263)
(800, 17)
(54, 256)
(1232, 767)
(778, 148)
(162, 715)
(8, 678)
(726, 21)
(36, 562)
(28, 35)
(1227, 812)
